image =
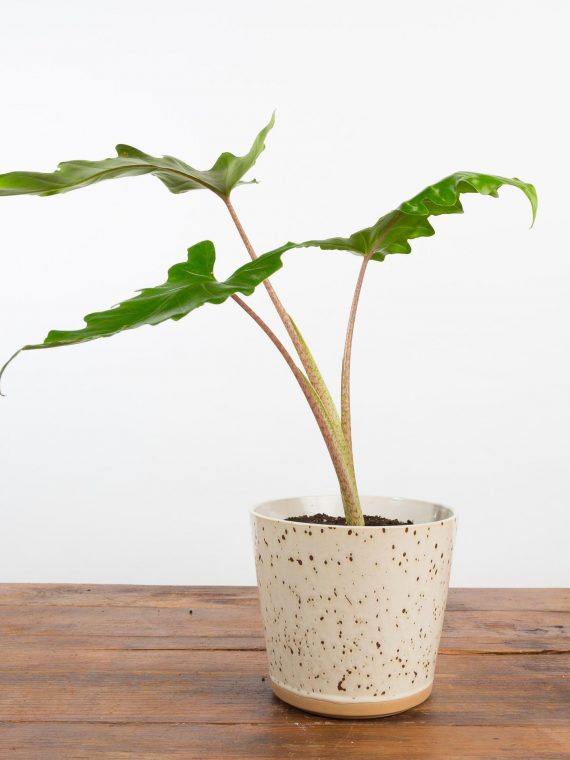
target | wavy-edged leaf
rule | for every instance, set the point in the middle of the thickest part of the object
(392, 232)
(179, 177)
(189, 285)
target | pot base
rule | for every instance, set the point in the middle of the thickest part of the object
(329, 709)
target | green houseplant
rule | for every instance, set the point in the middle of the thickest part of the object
(353, 610)
(192, 283)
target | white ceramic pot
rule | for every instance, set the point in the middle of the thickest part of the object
(353, 616)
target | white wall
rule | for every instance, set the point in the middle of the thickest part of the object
(135, 459)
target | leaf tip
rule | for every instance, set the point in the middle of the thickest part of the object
(532, 195)
(530, 191)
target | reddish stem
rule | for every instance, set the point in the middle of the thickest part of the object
(345, 374)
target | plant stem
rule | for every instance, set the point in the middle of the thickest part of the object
(345, 479)
(331, 412)
(318, 386)
(307, 360)
(310, 366)
(345, 374)
(272, 337)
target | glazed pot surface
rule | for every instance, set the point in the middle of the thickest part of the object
(353, 615)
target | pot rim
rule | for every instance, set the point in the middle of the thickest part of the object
(450, 515)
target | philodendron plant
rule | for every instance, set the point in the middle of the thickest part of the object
(192, 283)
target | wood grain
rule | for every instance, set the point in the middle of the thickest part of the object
(332, 741)
(172, 672)
(84, 595)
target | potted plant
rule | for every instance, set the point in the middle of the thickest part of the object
(353, 588)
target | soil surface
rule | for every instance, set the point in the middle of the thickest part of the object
(369, 520)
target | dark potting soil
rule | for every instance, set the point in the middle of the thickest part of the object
(369, 520)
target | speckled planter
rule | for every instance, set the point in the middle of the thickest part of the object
(353, 616)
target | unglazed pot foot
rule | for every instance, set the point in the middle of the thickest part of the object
(330, 709)
(353, 615)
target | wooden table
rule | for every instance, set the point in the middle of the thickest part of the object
(152, 672)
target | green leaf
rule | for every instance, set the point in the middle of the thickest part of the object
(178, 176)
(392, 232)
(189, 285)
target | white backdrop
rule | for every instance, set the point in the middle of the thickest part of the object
(135, 459)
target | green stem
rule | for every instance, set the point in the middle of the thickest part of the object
(347, 480)
(344, 476)
(328, 405)
(300, 346)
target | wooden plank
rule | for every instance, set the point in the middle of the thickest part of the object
(376, 740)
(233, 626)
(222, 623)
(510, 599)
(228, 687)
(494, 631)
(515, 599)
(138, 643)
(97, 595)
